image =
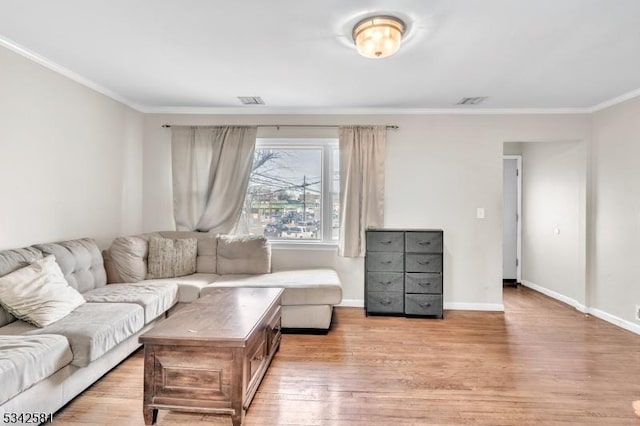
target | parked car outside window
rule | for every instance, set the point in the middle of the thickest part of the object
(273, 230)
(297, 232)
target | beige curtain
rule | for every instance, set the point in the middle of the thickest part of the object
(362, 152)
(210, 168)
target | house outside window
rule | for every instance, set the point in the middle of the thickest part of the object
(294, 191)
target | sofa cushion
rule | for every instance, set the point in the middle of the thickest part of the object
(302, 287)
(92, 329)
(38, 293)
(26, 360)
(189, 286)
(207, 248)
(155, 299)
(171, 257)
(243, 254)
(11, 260)
(80, 261)
(128, 258)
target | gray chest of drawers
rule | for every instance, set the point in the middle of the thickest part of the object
(403, 272)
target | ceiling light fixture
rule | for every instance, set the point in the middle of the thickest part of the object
(378, 36)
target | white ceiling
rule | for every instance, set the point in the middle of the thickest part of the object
(172, 55)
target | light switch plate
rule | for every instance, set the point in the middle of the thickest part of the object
(480, 212)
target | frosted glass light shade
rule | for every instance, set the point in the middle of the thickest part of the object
(378, 36)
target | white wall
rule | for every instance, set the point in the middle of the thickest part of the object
(440, 168)
(512, 148)
(553, 199)
(70, 159)
(615, 253)
(75, 163)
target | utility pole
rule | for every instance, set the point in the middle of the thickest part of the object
(304, 199)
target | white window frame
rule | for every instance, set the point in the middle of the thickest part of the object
(328, 147)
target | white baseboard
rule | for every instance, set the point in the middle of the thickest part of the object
(352, 303)
(499, 307)
(622, 323)
(617, 321)
(561, 297)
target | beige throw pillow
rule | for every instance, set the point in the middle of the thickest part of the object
(243, 254)
(171, 257)
(39, 293)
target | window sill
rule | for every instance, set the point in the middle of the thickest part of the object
(304, 245)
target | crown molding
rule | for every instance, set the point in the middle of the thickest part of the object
(9, 44)
(615, 101)
(250, 110)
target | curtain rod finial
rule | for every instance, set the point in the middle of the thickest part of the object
(166, 126)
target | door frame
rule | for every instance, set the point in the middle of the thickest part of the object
(518, 159)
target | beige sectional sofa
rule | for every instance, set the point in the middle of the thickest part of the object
(41, 369)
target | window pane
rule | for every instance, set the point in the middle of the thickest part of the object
(335, 194)
(284, 199)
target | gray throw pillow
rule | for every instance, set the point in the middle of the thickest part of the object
(171, 257)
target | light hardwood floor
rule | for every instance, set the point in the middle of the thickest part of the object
(539, 363)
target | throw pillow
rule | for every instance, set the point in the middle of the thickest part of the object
(39, 293)
(171, 257)
(207, 243)
(243, 254)
(128, 258)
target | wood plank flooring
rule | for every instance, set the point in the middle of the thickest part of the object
(539, 363)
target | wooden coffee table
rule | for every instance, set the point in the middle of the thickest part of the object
(211, 356)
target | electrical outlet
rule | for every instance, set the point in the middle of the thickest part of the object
(637, 312)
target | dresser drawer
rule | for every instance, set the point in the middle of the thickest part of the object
(417, 282)
(385, 302)
(424, 262)
(385, 241)
(379, 261)
(385, 281)
(423, 242)
(423, 304)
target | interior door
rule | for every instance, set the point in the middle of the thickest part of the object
(510, 219)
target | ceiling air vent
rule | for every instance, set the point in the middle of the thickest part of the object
(251, 100)
(471, 101)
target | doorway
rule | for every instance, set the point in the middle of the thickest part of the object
(550, 217)
(511, 223)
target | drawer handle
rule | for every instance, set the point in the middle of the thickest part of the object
(257, 358)
(424, 284)
(423, 262)
(386, 242)
(385, 262)
(385, 302)
(425, 305)
(425, 243)
(386, 282)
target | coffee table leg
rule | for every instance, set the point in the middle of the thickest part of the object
(236, 419)
(150, 415)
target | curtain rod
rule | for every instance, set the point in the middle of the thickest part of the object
(298, 125)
